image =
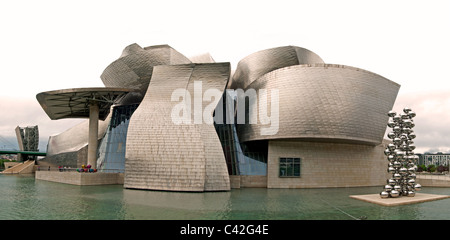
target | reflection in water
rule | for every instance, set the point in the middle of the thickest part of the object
(23, 197)
(174, 205)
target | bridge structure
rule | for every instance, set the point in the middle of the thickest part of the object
(23, 152)
(7, 147)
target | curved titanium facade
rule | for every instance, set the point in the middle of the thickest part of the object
(69, 148)
(326, 102)
(257, 64)
(163, 155)
(133, 69)
(202, 58)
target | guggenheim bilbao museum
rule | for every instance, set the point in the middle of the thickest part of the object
(282, 119)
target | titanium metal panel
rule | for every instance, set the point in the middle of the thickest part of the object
(326, 102)
(259, 63)
(133, 69)
(162, 155)
(202, 58)
(74, 138)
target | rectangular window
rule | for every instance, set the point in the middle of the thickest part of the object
(289, 167)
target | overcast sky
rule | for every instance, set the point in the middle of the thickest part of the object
(48, 45)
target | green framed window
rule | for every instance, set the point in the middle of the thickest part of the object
(289, 167)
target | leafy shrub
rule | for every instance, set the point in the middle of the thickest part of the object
(2, 162)
(431, 168)
(421, 168)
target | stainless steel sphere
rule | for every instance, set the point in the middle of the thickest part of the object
(394, 193)
(388, 188)
(411, 114)
(392, 182)
(418, 187)
(391, 124)
(404, 147)
(400, 153)
(397, 164)
(387, 152)
(403, 170)
(406, 110)
(397, 129)
(391, 158)
(404, 137)
(404, 116)
(391, 135)
(392, 113)
(411, 147)
(412, 176)
(406, 130)
(411, 182)
(407, 123)
(384, 194)
(411, 194)
(412, 135)
(397, 188)
(396, 118)
(391, 170)
(391, 146)
(397, 176)
(411, 170)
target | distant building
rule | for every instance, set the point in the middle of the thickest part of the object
(434, 159)
(28, 140)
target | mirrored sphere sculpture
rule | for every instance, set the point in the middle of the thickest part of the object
(402, 161)
(384, 194)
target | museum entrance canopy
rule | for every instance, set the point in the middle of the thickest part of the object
(74, 102)
(92, 103)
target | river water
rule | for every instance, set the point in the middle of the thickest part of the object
(24, 198)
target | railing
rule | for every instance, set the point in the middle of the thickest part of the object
(70, 169)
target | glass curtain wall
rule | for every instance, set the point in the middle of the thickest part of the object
(111, 152)
(241, 160)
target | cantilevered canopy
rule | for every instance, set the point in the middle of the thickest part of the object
(74, 102)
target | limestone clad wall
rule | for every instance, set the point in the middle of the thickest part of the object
(327, 164)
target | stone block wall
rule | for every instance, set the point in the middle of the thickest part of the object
(326, 165)
(76, 178)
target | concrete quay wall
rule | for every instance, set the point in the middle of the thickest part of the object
(76, 178)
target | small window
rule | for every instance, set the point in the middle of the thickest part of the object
(289, 167)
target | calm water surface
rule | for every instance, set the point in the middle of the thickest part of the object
(23, 197)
